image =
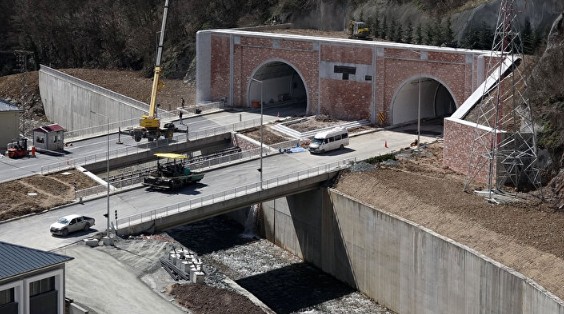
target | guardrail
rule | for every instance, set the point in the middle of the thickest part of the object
(99, 129)
(115, 186)
(125, 124)
(134, 174)
(129, 150)
(232, 193)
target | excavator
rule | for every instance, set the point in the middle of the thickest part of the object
(150, 125)
(359, 30)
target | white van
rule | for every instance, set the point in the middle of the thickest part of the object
(336, 138)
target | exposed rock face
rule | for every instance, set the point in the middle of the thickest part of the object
(546, 96)
(556, 35)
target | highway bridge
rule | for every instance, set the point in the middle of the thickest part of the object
(33, 231)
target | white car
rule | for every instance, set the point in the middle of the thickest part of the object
(71, 223)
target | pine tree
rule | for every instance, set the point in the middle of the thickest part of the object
(527, 38)
(398, 36)
(437, 30)
(384, 28)
(485, 37)
(449, 34)
(375, 25)
(429, 33)
(392, 30)
(408, 33)
(418, 39)
(470, 39)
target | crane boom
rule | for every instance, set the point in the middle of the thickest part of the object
(156, 76)
(149, 124)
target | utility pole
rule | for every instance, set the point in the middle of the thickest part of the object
(504, 149)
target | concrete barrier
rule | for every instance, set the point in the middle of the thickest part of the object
(149, 155)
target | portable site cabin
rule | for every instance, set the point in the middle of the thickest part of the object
(49, 137)
(10, 122)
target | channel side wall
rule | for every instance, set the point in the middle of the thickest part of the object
(401, 265)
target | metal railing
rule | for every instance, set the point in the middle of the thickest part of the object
(134, 174)
(233, 193)
(102, 189)
(238, 156)
(99, 130)
(140, 147)
(126, 124)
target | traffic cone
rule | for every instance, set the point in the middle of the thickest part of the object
(385, 143)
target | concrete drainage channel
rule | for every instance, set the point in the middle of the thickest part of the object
(176, 265)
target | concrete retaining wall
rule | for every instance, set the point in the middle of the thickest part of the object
(69, 101)
(149, 155)
(401, 265)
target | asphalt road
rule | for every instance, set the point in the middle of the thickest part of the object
(104, 283)
(95, 148)
(33, 231)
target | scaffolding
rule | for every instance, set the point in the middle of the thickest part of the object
(504, 149)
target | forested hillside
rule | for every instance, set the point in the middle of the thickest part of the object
(123, 34)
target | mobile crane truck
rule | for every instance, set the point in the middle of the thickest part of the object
(150, 125)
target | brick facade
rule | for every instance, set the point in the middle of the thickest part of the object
(459, 145)
(379, 72)
(382, 69)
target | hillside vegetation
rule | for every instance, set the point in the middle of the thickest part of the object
(120, 34)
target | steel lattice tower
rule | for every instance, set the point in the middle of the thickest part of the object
(505, 145)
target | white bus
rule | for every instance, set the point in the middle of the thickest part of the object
(336, 138)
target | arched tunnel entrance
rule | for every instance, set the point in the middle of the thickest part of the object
(427, 96)
(281, 85)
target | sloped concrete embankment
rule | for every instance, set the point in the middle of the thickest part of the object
(401, 265)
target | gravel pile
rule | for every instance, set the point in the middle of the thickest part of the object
(361, 167)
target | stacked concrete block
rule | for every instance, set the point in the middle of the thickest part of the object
(188, 263)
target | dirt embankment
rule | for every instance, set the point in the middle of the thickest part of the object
(39, 193)
(526, 235)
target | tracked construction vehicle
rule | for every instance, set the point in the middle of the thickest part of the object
(171, 173)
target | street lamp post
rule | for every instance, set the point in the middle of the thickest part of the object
(418, 101)
(107, 172)
(419, 112)
(260, 169)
